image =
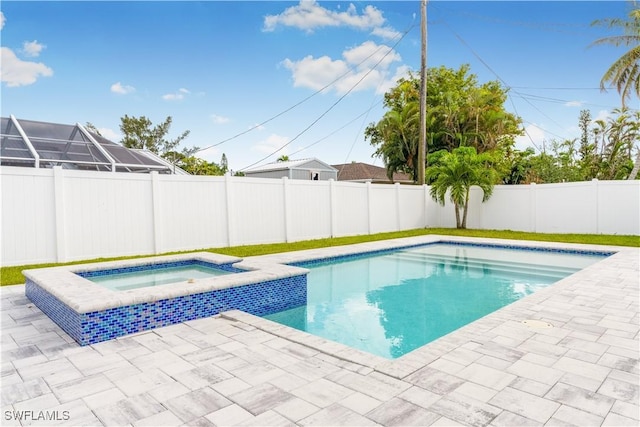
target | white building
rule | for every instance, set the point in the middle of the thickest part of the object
(309, 169)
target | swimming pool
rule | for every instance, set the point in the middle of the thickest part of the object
(260, 285)
(391, 303)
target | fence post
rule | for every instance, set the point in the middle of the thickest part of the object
(424, 205)
(369, 208)
(398, 210)
(156, 208)
(59, 204)
(231, 237)
(533, 198)
(332, 206)
(596, 191)
(287, 213)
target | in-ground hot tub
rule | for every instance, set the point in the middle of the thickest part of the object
(90, 312)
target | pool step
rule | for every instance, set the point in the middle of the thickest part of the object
(479, 264)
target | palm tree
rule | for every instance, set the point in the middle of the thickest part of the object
(455, 173)
(624, 73)
(401, 129)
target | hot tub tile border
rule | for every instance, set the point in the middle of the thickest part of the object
(89, 328)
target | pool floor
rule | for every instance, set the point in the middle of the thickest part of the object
(156, 277)
(392, 303)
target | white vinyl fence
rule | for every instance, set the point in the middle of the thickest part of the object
(57, 215)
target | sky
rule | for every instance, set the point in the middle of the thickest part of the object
(258, 80)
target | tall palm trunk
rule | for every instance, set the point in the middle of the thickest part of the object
(636, 168)
(457, 209)
(466, 209)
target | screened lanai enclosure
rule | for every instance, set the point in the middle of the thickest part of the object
(29, 143)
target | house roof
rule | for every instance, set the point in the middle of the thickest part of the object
(292, 164)
(366, 172)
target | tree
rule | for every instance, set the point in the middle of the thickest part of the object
(397, 137)
(197, 166)
(140, 133)
(91, 128)
(224, 164)
(515, 166)
(460, 112)
(455, 173)
(283, 158)
(624, 73)
(588, 162)
(186, 161)
(605, 151)
(618, 136)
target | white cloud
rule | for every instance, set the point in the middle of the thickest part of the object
(602, 115)
(308, 15)
(16, 72)
(574, 104)
(110, 134)
(272, 143)
(121, 89)
(316, 73)
(257, 126)
(219, 120)
(211, 154)
(534, 137)
(2, 20)
(32, 49)
(173, 97)
(387, 33)
(401, 71)
(177, 96)
(368, 54)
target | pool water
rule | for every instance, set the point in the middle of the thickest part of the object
(155, 276)
(392, 303)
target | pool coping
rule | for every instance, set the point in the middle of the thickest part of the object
(416, 359)
(84, 296)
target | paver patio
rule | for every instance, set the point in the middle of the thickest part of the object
(237, 369)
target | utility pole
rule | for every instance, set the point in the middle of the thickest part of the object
(422, 149)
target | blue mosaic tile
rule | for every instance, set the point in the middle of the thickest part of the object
(88, 328)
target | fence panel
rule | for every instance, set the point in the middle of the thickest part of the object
(566, 208)
(106, 215)
(28, 221)
(618, 207)
(509, 208)
(384, 208)
(192, 214)
(351, 209)
(258, 211)
(411, 207)
(309, 207)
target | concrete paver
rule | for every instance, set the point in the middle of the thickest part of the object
(237, 369)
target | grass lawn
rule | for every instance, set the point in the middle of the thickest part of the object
(13, 275)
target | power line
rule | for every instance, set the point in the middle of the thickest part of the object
(557, 27)
(558, 88)
(557, 100)
(346, 73)
(501, 80)
(391, 49)
(364, 113)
